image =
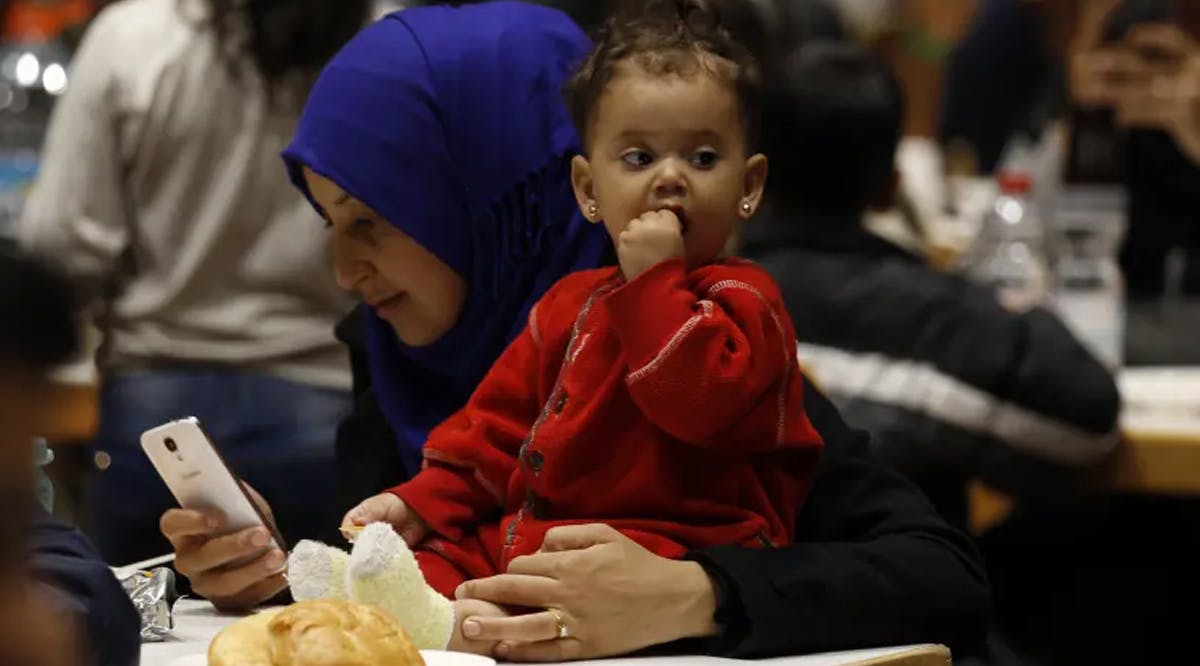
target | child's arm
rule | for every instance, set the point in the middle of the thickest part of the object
(470, 457)
(703, 359)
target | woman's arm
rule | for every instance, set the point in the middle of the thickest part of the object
(874, 565)
(368, 460)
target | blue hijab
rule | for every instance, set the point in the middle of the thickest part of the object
(449, 122)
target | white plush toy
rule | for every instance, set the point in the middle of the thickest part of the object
(379, 570)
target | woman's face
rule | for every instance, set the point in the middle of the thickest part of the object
(405, 284)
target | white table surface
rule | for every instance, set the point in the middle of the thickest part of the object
(1163, 401)
(196, 622)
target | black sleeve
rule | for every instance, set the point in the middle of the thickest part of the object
(952, 385)
(368, 459)
(873, 565)
(77, 581)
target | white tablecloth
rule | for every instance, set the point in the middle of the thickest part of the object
(1161, 402)
(196, 622)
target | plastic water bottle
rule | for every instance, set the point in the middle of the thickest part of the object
(1089, 290)
(1010, 253)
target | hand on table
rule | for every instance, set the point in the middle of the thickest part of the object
(205, 554)
(387, 508)
(613, 596)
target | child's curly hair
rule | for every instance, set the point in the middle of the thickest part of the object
(667, 37)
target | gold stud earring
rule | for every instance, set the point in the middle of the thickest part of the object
(746, 207)
(592, 211)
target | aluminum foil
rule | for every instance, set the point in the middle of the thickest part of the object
(153, 594)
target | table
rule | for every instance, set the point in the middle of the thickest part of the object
(1160, 431)
(1159, 450)
(197, 622)
(1162, 333)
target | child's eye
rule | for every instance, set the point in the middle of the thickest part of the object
(704, 159)
(637, 158)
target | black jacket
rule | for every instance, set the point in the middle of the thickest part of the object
(873, 564)
(950, 384)
(79, 583)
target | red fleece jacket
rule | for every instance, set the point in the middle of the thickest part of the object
(668, 406)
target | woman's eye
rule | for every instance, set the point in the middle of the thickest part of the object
(704, 159)
(637, 158)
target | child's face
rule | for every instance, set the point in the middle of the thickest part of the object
(674, 143)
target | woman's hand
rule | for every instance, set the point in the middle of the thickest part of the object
(613, 596)
(1166, 94)
(204, 553)
(387, 508)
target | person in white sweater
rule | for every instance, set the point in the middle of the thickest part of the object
(161, 194)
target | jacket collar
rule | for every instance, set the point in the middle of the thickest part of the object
(821, 231)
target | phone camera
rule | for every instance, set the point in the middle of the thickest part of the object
(170, 444)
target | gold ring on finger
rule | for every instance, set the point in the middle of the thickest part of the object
(560, 626)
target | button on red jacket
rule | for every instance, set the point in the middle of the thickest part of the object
(668, 406)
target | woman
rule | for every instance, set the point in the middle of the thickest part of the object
(161, 196)
(466, 178)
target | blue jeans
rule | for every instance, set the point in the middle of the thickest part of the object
(277, 435)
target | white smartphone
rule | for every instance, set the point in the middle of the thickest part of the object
(199, 477)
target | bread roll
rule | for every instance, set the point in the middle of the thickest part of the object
(320, 632)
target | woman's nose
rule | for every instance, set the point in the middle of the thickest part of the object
(349, 264)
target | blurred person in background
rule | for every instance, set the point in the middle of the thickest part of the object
(1125, 75)
(1143, 63)
(161, 194)
(59, 602)
(951, 385)
(1095, 579)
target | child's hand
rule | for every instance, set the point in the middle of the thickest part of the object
(387, 508)
(652, 238)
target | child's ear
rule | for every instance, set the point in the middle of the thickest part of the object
(581, 181)
(753, 184)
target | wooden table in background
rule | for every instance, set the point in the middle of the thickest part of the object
(76, 414)
(76, 388)
(1160, 427)
(1159, 451)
